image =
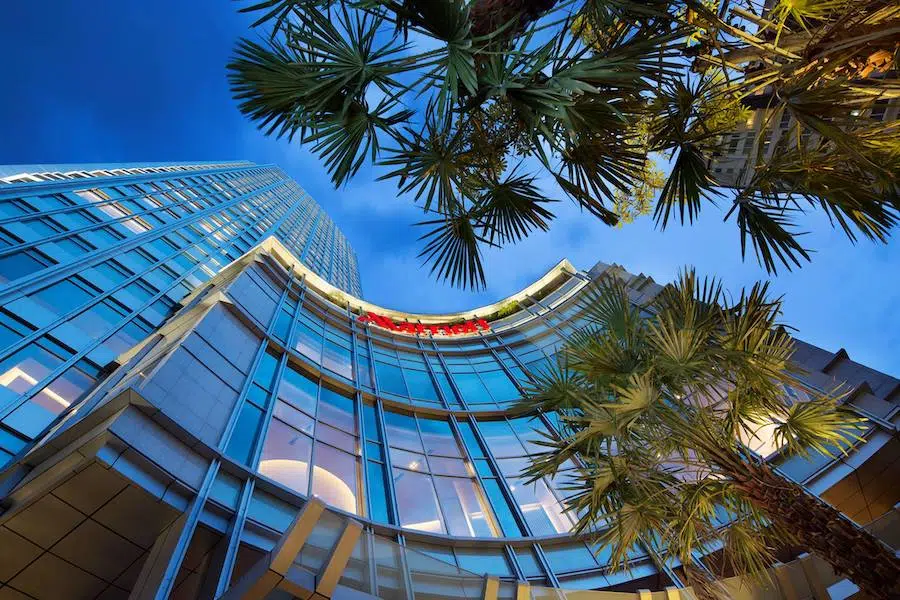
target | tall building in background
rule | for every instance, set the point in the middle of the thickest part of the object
(94, 258)
(275, 439)
(755, 140)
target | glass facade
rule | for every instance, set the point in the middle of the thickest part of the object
(93, 260)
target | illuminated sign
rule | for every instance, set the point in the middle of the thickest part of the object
(464, 328)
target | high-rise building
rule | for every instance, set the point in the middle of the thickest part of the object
(268, 437)
(755, 140)
(94, 258)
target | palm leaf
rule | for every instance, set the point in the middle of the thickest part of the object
(688, 182)
(454, 248)
(510, 209)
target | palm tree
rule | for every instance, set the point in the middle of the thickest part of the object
(485, 111)
(660, 407)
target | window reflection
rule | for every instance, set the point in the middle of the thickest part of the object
(539, 502)
(305, 431)
(286, 456)
(435, 489)
(335, 478)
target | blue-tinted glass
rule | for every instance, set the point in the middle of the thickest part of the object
(62, 297)
(336, 358)
(282, 325)
(500, 438)
(390, 378)
(258, 396)
(501, 508)
(375, 451)
(420, 385)
(246, 431)
(500, 386)
(528, 562)
(337, 410)
(370, 422)
(402, 431)
(364, 374)
(483, 561)
(298, 390)
(438, 438)
(18, 265)
(378, 499)
(471, 388)
(447, 390)
(9, 442)
(483, 466)
(470, 440)
(570, 557)
(265, 372)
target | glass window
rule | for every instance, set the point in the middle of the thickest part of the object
(335, 478)
(308, 342)
(243, 439)
(541, 509)
(293, 417)
(501, 386)
(420, 385)
(571, 557)
(18, 264)
(472, 389)
(390, 378)
(337, 410)
(286, 456)
(298, 390)
(504, 514)
(401, 431)
(463, 507)
(483, 561)
(336, 358)
(528, 562)
(377, 493)
(62, 297)
(416, 502)
(500, 438)
(438, 438)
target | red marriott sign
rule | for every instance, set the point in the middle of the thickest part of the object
(466, 327)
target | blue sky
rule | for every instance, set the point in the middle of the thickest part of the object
(129, 80)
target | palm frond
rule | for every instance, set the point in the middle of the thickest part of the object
(453, 247)
(510, 209)
(765, 220)
(428, 163)
(822, 425)
(688, 183)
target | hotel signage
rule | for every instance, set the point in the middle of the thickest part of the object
(467, 327)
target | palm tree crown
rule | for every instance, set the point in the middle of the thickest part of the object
(485, 111)
(660, 409)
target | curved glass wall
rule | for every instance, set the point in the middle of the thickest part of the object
(420, 436)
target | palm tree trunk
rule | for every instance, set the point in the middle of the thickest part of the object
(490, 15)
(851, 551)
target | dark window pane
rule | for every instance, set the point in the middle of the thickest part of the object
(501, 509)
(378, 499)
(243, 440)
(18, 265)
(390, 379)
